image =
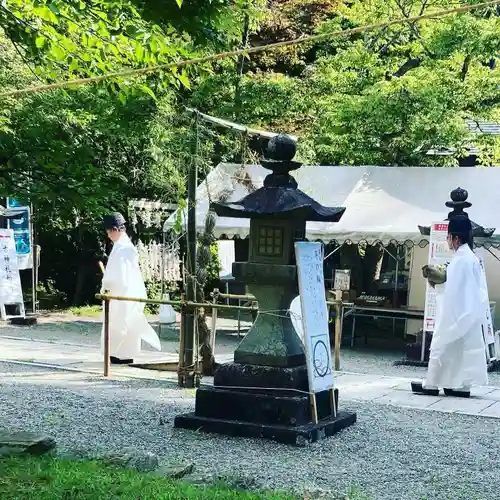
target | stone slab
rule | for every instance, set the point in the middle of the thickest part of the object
(13, 443)
(407, 399)
(494, 394)
(363, 393)
(491, 411)
(469, 406)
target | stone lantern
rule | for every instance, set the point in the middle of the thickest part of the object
(458, 202)
(264, 393)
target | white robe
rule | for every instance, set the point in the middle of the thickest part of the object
(457, 355)
(127, 321)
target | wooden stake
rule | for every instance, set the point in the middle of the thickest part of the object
(106, 338)
(181, 339)
(338, 327)
(333, 406)
(314, 409)
(214, 324)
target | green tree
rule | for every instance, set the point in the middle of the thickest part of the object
(385, 97)
(391, 95)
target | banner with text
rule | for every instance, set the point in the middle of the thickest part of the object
(309, 256)
(21, 225)
(10, 281)
(439, 254)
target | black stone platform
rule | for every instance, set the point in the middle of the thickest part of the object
(28, 320)
(241, 404)
(297, 436)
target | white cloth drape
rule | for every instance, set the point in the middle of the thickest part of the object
(457, 356)
(127, 322)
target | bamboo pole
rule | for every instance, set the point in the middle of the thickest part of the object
(214, 324)
(106, 339)
(338, 327)
(206, 305)
(247, 296)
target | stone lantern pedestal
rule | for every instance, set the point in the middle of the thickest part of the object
(265, 392)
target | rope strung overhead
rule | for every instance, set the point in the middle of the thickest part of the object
(251, 50)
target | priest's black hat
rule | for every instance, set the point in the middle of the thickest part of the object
(459, 225)
(114, 221)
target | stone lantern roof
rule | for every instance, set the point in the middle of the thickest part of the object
(279, 197)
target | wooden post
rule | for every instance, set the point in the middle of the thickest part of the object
(189, 316)
(214, 321)
(106, 338)
(239, 319)
(314, 408)
(338, 327)
(332, 402)
(182, 335)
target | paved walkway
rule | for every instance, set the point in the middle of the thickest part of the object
(484, 401)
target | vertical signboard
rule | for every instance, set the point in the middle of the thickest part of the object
(10, 282)
(309, 258)
(21, 226)
(439, 254)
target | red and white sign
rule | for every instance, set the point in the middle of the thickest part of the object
(439, 254)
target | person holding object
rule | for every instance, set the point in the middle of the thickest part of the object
(457, 358)
(122, 277)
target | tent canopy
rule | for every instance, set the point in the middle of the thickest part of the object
(383, 204)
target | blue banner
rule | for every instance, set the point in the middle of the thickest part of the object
(22, 233)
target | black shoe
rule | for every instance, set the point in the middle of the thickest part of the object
(457, 394)
(118, 361)
(417, 388)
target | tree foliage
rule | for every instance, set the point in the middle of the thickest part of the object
(385, 97)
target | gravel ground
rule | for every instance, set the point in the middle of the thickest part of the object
(391, 453)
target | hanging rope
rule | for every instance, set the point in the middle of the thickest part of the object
(251, 50)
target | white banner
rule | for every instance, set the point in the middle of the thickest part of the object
(487, 326)
(10, 280)
(309, 258)
(439, 254)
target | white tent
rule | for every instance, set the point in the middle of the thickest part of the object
(383, 204)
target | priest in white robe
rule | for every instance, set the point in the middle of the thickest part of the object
(128, 325)
(457, 358)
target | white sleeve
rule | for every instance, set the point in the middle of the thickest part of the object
(115, 274)
(461, 300)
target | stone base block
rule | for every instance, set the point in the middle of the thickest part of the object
(278, 408)
(297, 436)
(26, 321)
(279, 415)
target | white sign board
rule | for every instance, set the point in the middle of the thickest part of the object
(439, 253)
(487, 326)
(10, 280)
(309, 258)
(342, 280)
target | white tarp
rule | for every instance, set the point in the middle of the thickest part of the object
(383, 203)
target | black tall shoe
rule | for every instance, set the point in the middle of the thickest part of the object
(417, 388)
(457, 394)
(119, 361)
